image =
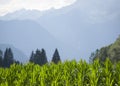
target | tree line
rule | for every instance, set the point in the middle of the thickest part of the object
(7, 59)
(38, 57)
(111, 51)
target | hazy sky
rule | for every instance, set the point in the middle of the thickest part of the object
(8, 6)
(94, 10)
(100, 10)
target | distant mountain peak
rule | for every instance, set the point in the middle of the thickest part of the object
(22, 14)
(25, 14)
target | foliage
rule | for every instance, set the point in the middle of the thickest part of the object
(112, 51)
(1, 60)
(68, 73)
(56, 57)
(39, 57)
(7, 59)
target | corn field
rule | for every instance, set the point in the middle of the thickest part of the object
(68, 73)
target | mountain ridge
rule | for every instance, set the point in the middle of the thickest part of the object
(28, 35)
(79, 29)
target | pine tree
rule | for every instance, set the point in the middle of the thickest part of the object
(32, 57)
(39, 57)
(56, 57)
(43, 57)
(8, 58)
(1, 59)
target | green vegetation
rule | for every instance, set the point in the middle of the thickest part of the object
(56, 57)
(38, 57)
(8, 58)
(112, 51)
(101, 71)
(68, 73)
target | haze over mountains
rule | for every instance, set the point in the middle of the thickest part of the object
(76, 33)
(32, 36)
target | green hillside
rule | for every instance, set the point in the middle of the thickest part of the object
(112, 52)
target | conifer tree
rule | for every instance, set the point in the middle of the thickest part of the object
(43, 57)
(39, 57)
(1, 59)
(32, 57)
(56, 57)
(8, 58)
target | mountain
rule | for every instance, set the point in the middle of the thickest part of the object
(22, 15)
(18, 54)
(29, 35)
(78, 29)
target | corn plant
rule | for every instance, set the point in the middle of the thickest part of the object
(68, 73)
